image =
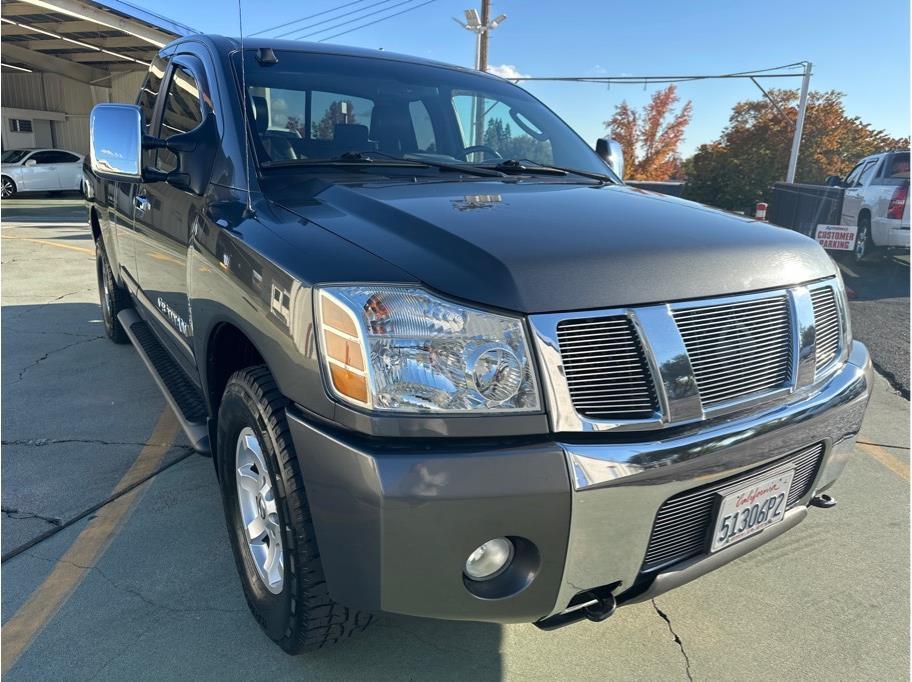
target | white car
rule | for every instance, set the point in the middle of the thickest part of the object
(876, 199)
(39, 170)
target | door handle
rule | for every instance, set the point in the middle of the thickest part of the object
(141, 203)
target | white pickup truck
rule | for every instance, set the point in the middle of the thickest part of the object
(876, 200)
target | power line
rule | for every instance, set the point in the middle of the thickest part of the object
(309, 16)
(338, 16)
(759, 73)
(351, 21)
(377, 21)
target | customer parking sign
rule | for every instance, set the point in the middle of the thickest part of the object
(836, 237)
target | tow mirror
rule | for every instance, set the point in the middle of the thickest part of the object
(115, 142)
(611, 152)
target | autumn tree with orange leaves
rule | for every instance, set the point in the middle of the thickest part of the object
(650, 139)
(739, 169)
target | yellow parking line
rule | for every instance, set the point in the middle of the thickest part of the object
(81, 249)
(88, 548)
(888, 459)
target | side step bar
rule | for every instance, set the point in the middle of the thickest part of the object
(182, 395)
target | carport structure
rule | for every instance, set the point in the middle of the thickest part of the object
(61, 57)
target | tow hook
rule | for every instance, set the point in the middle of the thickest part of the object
(823, 501)
(591, 606)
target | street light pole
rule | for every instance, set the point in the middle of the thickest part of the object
(481, 25)
(799, 124)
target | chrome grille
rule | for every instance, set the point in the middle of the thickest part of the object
(683, 523)
(826, 321)
(605, 368)
(738, 349)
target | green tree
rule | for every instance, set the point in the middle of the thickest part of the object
(498, 135)
(739, 169)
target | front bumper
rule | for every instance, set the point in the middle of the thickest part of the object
(396, 519)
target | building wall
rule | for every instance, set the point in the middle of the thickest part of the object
(54, 93)
(125, 86)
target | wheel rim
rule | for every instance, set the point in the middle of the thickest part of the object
(861, 242)
(6, 190)
(258, 511)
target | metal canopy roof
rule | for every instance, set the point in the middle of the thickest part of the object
(86, 40)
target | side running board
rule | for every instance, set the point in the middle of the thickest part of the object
(182, 395)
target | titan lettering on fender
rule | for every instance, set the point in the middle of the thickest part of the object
(836, 237)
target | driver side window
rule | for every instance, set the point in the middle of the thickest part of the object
(853, 175)
(509, 135)
(182, 113)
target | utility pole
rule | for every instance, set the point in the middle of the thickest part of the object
(480, 26)
(799, 123)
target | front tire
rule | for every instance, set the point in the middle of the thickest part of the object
(7, 188)
(112, 296)
(269, 523)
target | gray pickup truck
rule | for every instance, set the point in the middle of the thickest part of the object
(446, 363)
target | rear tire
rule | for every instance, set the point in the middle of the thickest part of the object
(112, 296)
(7, 188)
(292, 604)
(865, 249)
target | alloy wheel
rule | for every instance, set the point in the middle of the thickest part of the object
(861, 243)
(258, 511)
(6, 188)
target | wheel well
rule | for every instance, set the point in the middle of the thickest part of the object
(228, 351)
(96, 225)
(864, 213)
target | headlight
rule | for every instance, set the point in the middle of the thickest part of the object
(402, 349)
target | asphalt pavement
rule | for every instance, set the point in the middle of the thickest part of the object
(144, 586)
(880, 314)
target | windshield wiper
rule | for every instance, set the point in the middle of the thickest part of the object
(391, 160)
(522, 166)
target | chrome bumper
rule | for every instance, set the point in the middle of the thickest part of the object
(618, 488)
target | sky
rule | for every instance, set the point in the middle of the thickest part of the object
(859, 47)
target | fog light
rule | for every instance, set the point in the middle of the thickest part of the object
(489, 560)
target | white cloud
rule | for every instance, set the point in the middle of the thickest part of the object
(506, 71)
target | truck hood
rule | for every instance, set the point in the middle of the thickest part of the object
(533, 247)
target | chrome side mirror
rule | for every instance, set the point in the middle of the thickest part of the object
(30, 163)
(115, 142)
(611, 152)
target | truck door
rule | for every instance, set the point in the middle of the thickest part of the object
(854, 193)
(122, 196)
(164, 214)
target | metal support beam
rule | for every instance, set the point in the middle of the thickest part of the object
(799, 124)
(45, 62)
(84, 10)
(50, 44)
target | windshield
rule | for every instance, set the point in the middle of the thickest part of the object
(310, 107)
(14, 155)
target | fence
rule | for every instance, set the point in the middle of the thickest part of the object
(804, 207)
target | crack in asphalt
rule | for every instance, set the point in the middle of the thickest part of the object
(40, 306)
(677, 638)
(18, 514)
(133, 591)
(41, 442)
(54, 352)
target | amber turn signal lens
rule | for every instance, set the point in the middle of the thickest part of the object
(344, 351)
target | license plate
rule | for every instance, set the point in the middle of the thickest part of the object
(747, 510)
